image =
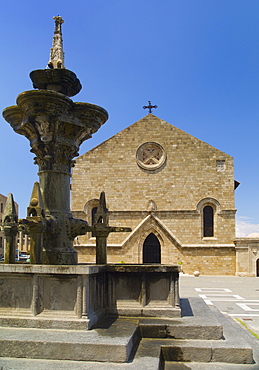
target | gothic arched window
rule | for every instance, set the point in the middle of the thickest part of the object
(208, 221)
(151, 249)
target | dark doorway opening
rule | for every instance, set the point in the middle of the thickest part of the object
(151, 250)
(257, 267)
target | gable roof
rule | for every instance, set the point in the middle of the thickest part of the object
(149, 120)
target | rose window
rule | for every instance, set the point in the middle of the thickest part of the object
(150, 155)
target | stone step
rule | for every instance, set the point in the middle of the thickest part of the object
(177, 329)
(206, 347)
(147, 363)
(207, 351)
(233, 349)
(198, 322)
(116, 343)
(28, 321)
(206, 366)
(203, 351)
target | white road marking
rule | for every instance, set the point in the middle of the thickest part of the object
(223, 297)
(245, 306)
(243, 314)
(213, 290)
(210, 295)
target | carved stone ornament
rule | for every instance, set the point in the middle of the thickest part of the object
(150, 156)
(56, 52)
(151, 206)
(55, 126)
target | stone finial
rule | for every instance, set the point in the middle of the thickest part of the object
(58, 22)
(60, 80)
(101, 216)
(10, 213)
(57, 78)
(102, 230)
(56, 52)
(36, 208)
(35, 225)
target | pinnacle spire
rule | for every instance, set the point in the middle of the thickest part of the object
(10, 213)
(36, 204)
(101, 215)
(56, 77)
(56, 52)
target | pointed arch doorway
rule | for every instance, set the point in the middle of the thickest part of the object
(151, 249)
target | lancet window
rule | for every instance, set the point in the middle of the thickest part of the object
(208, 221)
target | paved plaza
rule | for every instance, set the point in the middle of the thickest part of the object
(237, 297)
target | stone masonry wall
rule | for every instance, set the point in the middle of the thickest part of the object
(193, 174)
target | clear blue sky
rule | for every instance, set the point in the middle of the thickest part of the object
(198, 60)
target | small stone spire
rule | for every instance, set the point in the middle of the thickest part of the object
(10, 213)
(56, 52)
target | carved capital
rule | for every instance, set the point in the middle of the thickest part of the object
(55, 126)
(9, 229)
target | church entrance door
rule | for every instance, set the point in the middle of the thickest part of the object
(151, 250)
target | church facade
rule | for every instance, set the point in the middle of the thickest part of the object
(173, 190)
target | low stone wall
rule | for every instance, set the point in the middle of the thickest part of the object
(76, 297)
(53, 293)
(143, 290)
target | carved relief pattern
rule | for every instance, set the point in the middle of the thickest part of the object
(54, 157)
(150, 155)
(55, 136)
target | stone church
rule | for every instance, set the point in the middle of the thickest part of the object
(173, 190)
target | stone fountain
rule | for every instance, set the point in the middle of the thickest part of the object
(55, 127)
